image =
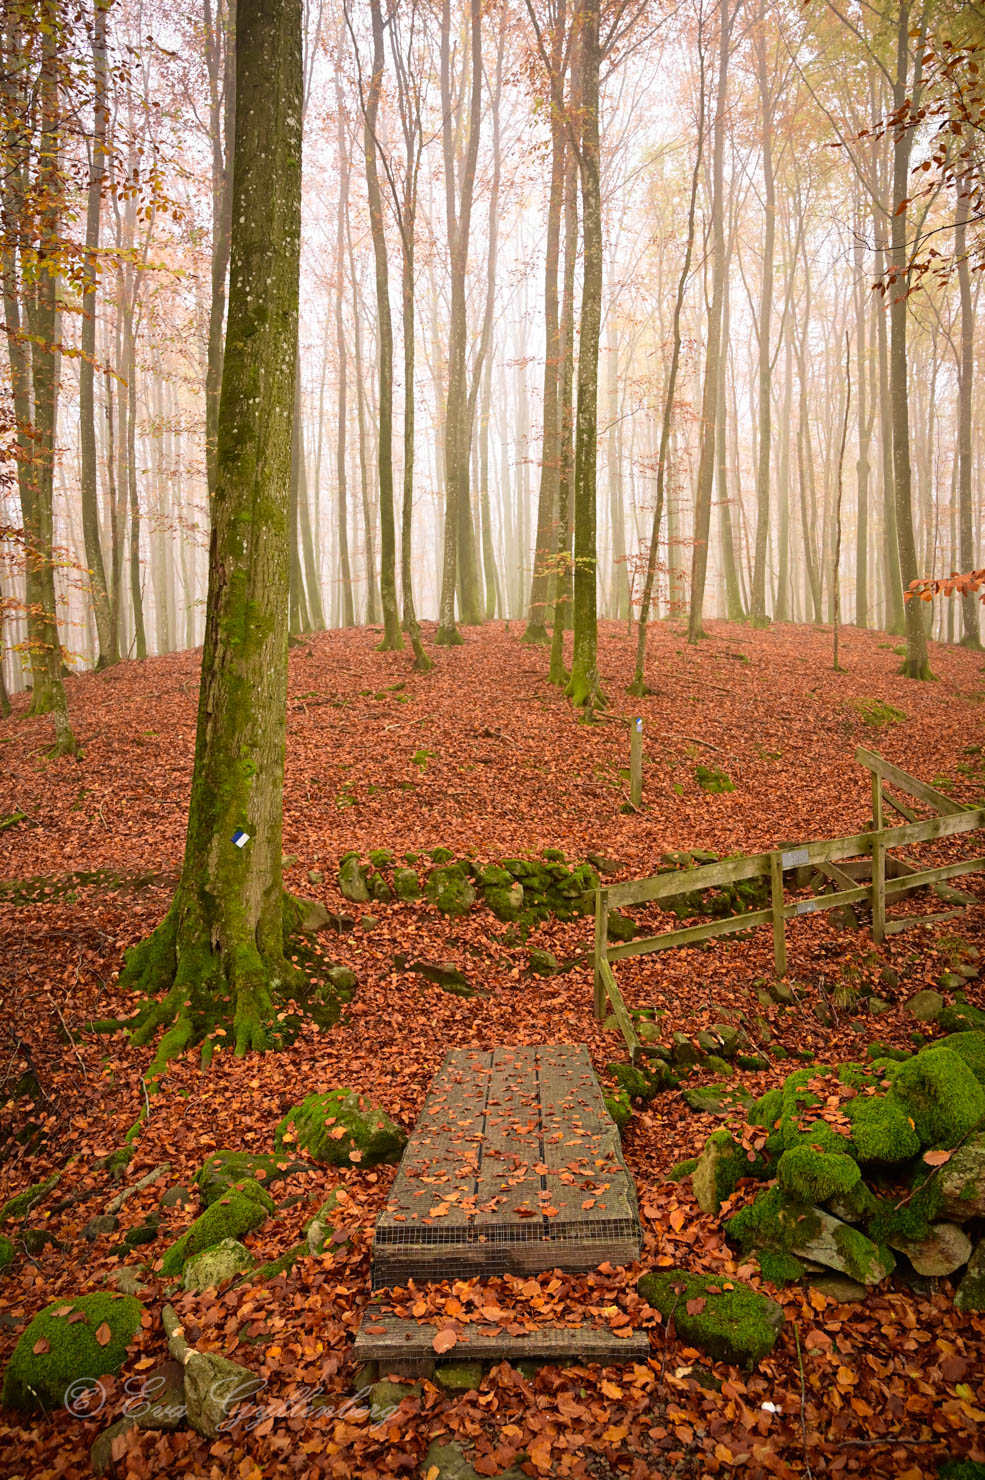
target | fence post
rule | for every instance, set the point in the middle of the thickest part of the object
(877, 822)
(636, 761)
(776, 900)
(601, 946)
(878, 888)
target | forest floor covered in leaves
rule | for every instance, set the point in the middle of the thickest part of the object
(481, 755)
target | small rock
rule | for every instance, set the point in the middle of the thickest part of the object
(969, 973)
(542, 963)
(96, 1227)
(126, 1278)
(737, 1325)
(951, 981)
(342, 978)
(961, 1181)
(621, 926)
(102, 1457)
(369, 922)
(447, 976)
(647, 1032)
(682, 1050)
(385, 1396)
(458, 1377)
(352, 881)
(970, 1294)
(213, 1387)
(207, 1270)
(839, 1287)
(926, 1006)
(315, 876)
(782, 993)
(879, 1005)
(947, 1249)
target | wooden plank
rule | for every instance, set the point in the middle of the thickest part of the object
(877, 818)
(511, 1144)
(934, 875)
(404, 1341)
(674, 938)
(900, 807)
(818, 903)
(619, 1010)
(684, 881)
(906, 922)
(835, 875)
(906, 783)
(879, 887)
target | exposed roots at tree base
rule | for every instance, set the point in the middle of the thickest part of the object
(536, 635)
(210, 998)
(448, 637)
(585, 692)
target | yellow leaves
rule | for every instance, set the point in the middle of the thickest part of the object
(845, 1377)
(611, 1389)
(615, 1433)
(677, 1219)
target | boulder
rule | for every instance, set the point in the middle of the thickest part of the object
(214, 1386)
(782, 1223)
(961, 1181)
(341, 1128)
(352, 880)
(447, 976)
(447, 1462)
(970, 1294)
(320, 1230)
(244, 1207)
(719, 1169)
(450, 889)
(723, 1317)
(682, 1050)
(542, 963)
(406, 884)
(458, 1377)
(55, 1353)
(206, 1271)
(940, 1094)
(948, 1248)
(881, 1130)
(839, 1287)
(815, 1176)
(926, 1006)
(220, 1171)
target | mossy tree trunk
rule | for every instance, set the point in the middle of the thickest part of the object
(969, 602)
(557, 673)
(219, 953)
(583, 686)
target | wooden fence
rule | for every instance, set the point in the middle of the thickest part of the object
(851, 870)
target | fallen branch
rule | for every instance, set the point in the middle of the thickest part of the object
(152, 1176)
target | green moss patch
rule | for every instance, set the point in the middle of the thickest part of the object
(941, 1095)
(814, 1176)
(728, 1320)
(69, 1341)
(244, 1207)
(223, 1169)
(341, 1128)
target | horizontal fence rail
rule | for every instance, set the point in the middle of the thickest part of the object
(886, 879)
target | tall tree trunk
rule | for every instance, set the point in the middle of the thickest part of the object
(758, 595)
(891, 557)
(734, 608)
(88, 482)
(345, 569)
(916, 663)
(583, 686)
(862, 466)
(220, 65)
(557, 673)
(130, 362)
(458, 570)
(219, 953)
(392, 639)
(969, 602)
(709, 398)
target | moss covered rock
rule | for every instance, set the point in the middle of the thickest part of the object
(244, 1207)
(223, 1169)
(54, 1352)
(882, 1131)
(717, 1099)
(720, 1167)
(724, 1318)
(353, 881)
(341, 1128)
(406, 884)
(814, 1176)
(621, 926)
(961, 1181)
(941, 1095)
(6, 1251)
(970, 1047)
(450, 889)
(946, 1248)
(619, 1107)
(787, 1225)
(207, 1270)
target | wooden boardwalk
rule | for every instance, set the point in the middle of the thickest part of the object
(514, 1166)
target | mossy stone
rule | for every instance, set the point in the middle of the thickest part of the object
(713, 779)
(779, 1268)
(385, 1396)
(542, 963)
(406, 884)
(767, 1109)
(726, 1319)
(621, 927)
(507, 901)
(450, 889)
(719, 1169)
(458, 1377)
(342, 979)
(241, 1209)
(717, 1099)
(682, 1169)
(619, 1108)
(881, 1130)
(941, 1095)
(6, 1251)
(962, 1017)
(970, 1294)
(73, 1350)
(926, 1006)
(22, 1203)
(353, 881)
(223, 1169)
(814, 1176)
(631, 1080)
(969, 1046)
(341, 1128)
(208, 1270)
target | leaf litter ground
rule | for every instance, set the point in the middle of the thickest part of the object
(480, 755)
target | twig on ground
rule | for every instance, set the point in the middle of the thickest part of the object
(160, 1171)
(61, 1019)
(803, 1404)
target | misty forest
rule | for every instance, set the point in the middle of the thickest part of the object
(491, 739)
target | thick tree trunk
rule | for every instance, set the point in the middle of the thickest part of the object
(219, 953)
(345, 569)
(583, 686)
(557, 673)
(220, 64)
(757, 610)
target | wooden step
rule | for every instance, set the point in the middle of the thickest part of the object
(514, 1166)
(404, 1347)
